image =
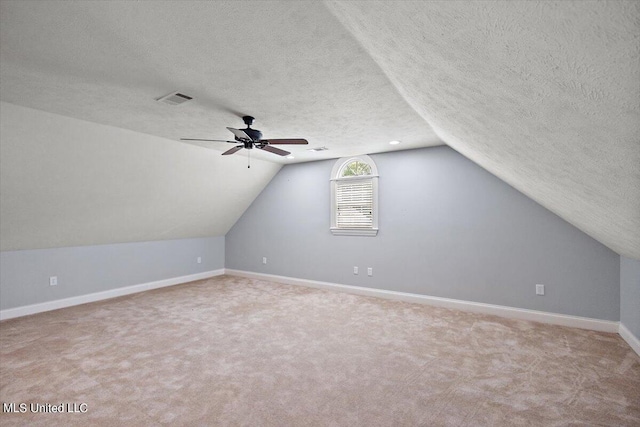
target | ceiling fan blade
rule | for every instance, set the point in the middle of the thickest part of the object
(285, 141)
(207, 140)
(274, 150)
(233, 150)
(239, 133)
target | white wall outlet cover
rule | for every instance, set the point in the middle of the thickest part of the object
(264, 259)
(370, 271)
(539, 289)
(53, 281)
(199, 260)
(355, 270)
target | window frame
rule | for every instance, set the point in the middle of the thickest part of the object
(335, 178)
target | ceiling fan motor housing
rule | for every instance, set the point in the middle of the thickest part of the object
(254, 134)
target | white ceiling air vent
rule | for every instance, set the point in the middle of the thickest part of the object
(318, 149)
(175, 98)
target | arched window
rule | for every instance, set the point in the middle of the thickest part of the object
(354, 197)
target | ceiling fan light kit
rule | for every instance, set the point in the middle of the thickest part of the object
(249, 138)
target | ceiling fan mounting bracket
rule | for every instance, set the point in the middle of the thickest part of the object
(248, 120)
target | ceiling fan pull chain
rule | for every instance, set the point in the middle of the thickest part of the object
(248, 159)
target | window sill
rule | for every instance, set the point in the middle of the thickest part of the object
(371, 232)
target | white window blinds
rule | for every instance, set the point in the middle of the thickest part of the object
(354, 197)
(354, 203)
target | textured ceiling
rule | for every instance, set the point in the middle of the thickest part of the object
(545, 95)
(291, 65)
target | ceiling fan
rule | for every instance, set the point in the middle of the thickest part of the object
(252, 138)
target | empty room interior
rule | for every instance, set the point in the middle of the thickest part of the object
(320, 213)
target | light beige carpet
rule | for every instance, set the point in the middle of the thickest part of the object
(233, 351)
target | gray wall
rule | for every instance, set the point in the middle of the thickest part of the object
(630, 295)
(24, 275)
(448, 228)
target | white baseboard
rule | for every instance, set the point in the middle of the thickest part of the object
(476, 307)
(99, 296)
(498, 310)
(631, 339)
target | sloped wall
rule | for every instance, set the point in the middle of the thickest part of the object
(448, 228)
(68, 182)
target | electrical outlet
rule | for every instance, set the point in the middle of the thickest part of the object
(539, 289)
(53, 281)
(355, 270)
(370, 271)
(199, 260)
(264, 259)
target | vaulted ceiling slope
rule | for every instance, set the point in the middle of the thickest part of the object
(545, 95)
(68, 182)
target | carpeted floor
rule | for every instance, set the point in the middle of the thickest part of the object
(234, 351)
